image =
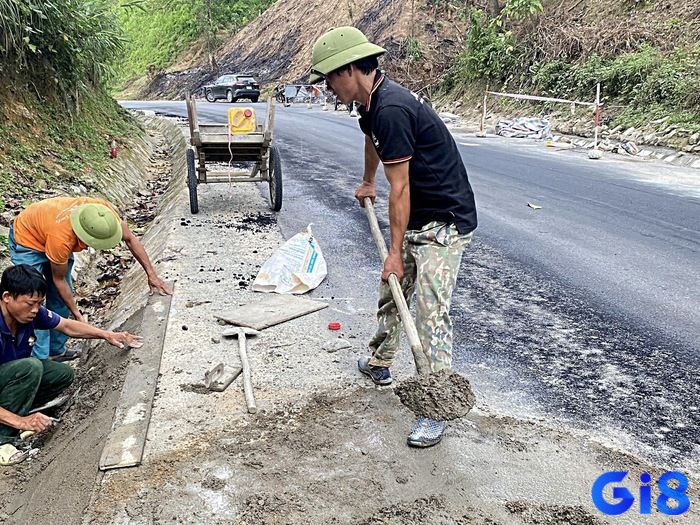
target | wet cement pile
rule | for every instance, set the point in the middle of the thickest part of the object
(443, 395)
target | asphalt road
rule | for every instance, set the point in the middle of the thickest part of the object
(585, 312)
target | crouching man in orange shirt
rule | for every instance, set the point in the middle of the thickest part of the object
(47, 234)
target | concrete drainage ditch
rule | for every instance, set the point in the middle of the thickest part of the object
(57, 485)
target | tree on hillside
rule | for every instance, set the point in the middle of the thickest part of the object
(494, 8)
(210, 36)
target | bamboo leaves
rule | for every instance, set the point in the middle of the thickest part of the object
(69, 43)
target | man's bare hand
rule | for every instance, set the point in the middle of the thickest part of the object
(393, 264)
(124, 340)
(157, 285)
(36, 422)
(366, 189)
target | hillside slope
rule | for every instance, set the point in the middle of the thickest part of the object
(646, 55)
(579, 28)
(277, 45)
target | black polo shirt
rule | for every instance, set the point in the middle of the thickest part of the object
(405, 128)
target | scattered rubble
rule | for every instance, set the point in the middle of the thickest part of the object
(333, 345)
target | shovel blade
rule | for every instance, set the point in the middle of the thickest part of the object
(443, 395)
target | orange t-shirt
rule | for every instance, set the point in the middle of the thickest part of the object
(45, 226)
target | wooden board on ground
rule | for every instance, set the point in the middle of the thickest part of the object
(124, 446)
(270, 309)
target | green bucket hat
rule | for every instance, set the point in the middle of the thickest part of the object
(96, 225)
(340, 47)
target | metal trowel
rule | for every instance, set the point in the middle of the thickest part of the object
(220, 377)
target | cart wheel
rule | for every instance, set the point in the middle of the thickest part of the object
(275, 179)
(192, 181)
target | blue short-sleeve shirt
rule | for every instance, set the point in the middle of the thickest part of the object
(19, 346)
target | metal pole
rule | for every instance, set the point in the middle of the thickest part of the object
(595, 153)
(597, 117)
(482, 133)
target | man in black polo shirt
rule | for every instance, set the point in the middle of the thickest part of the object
(431, 204)
(27, 382)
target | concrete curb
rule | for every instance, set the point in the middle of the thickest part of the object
(134, 290)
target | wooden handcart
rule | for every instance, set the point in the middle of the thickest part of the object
(215, 143)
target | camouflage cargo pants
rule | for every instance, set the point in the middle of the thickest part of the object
(431, 259)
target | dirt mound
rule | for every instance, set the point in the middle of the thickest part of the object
(542, 514)
(422, 510)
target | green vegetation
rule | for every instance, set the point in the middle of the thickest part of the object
(155, 36)
(57, 58)
(64, 46)
(503, 49)
(643, 79)
(520, 9)
(41, 147)
(492, 51)
(158, 31)
(55, 113)
(414, 52)
(638, 117)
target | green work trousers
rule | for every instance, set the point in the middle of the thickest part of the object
(431, 260)
(28, 383)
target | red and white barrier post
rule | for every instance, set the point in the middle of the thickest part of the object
(595, 154)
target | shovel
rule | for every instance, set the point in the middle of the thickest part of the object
(443, 395)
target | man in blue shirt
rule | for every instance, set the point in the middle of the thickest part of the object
(27, 382)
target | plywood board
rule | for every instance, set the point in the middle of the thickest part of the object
(270, 309)
(124, 445)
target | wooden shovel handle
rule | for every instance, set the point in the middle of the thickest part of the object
(422, 363)
(247, 380)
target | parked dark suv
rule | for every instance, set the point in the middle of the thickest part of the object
(233, 87)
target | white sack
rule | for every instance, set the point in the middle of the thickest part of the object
(296, 267)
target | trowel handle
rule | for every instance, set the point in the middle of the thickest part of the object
(422, 363)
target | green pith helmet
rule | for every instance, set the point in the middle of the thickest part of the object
(340, 47)
(96, 225)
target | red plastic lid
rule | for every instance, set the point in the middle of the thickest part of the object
(248, 113)
(334, 325)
